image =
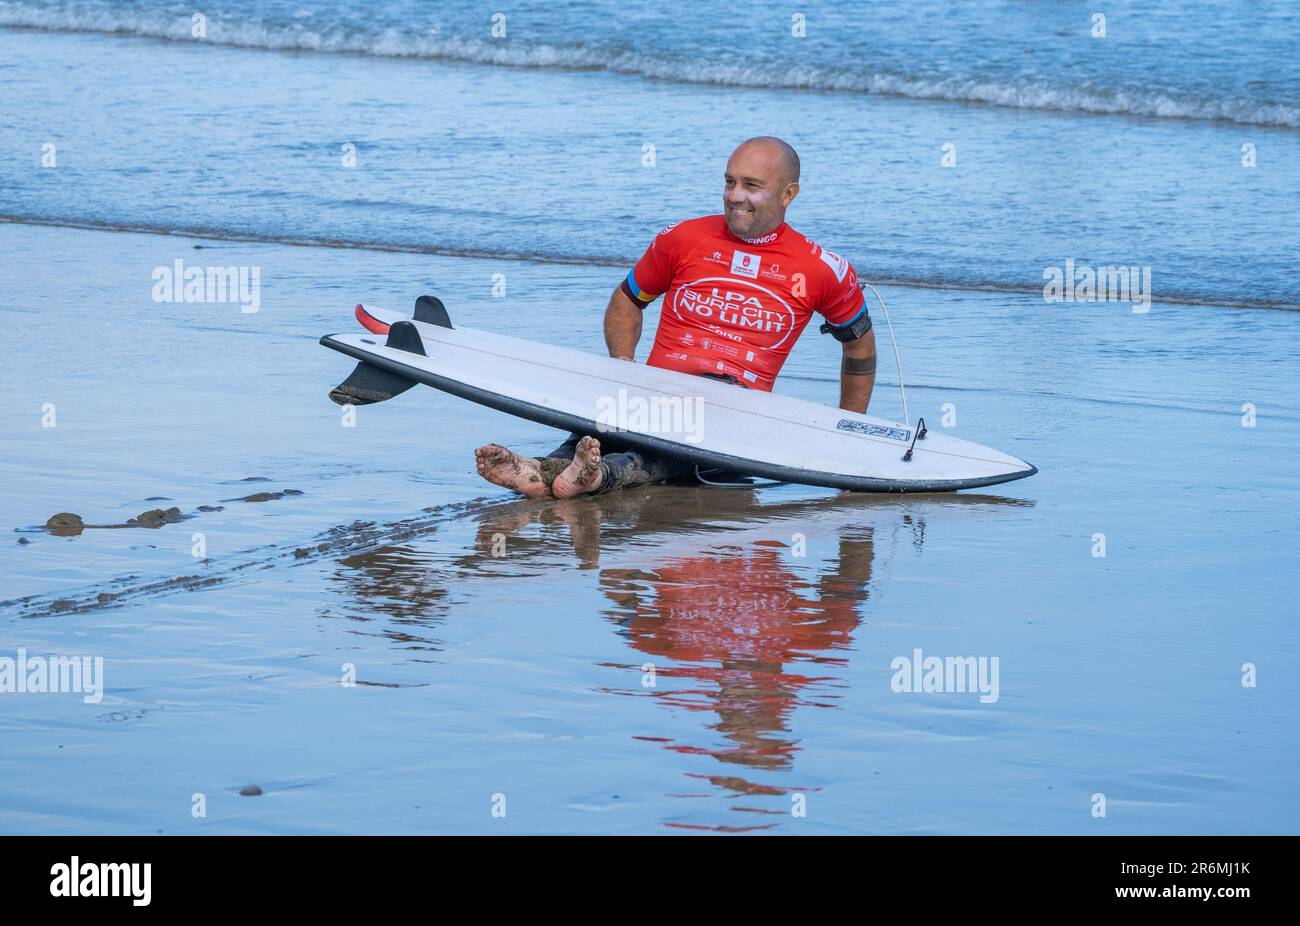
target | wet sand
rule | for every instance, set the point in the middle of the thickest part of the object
(400, 644)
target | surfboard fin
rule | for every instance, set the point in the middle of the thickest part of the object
(403, 336)
(430, 309)
(368, 383)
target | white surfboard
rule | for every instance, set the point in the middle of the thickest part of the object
(713, 423)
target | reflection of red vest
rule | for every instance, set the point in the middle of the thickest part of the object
(735, 306)
(710, 609)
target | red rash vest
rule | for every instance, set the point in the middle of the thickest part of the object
(735, 306)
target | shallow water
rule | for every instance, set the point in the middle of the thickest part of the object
(524, 673)
(671, 659)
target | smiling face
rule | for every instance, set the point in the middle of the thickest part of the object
(762, 179)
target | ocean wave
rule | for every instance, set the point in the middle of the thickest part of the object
(301, 37)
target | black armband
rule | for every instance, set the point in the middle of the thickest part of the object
(858, 366)
(849, 331)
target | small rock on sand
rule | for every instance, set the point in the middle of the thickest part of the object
(155, 517)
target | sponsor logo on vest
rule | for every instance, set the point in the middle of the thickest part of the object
(744, 310)
(838, 264)
(765, 239)
(735, 310)
(721, 347)
(745, 265)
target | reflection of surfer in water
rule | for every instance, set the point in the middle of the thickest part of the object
(740, 629)
(731, 607)
(750, 629)
(740, 288)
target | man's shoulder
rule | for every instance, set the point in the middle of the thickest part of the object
(823, 259)
(691, 228)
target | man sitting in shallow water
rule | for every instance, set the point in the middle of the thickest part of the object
(740, 288)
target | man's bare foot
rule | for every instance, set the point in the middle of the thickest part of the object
(584, 474)
(503, 467)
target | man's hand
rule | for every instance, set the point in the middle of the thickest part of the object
(622, 326)
(858, 373)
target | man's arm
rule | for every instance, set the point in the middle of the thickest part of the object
(622, 326)
(857, 373)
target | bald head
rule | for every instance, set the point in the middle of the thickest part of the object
(772, 147)
(762, 179)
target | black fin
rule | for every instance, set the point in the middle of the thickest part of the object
(368, 385)
(431, 310)
(403, 336)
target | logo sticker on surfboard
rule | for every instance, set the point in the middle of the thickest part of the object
(875, 430)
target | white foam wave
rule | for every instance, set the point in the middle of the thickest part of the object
(299, 36)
